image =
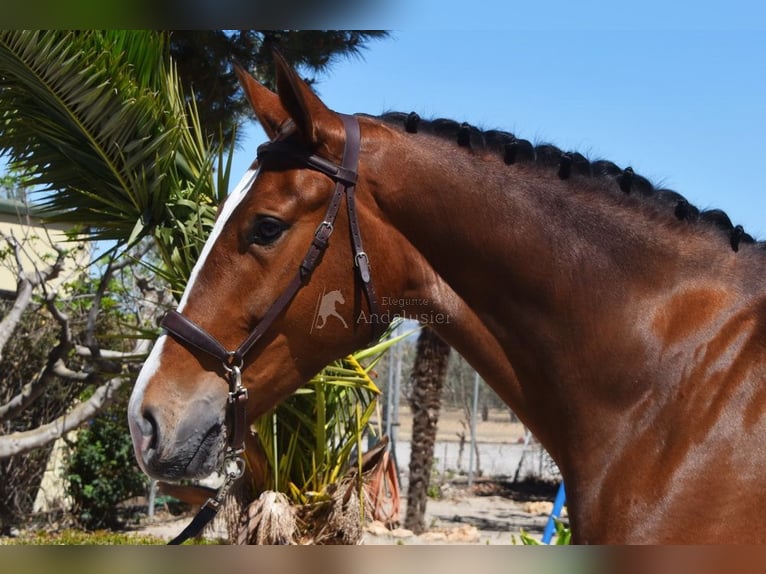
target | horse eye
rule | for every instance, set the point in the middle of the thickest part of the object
(267, 230)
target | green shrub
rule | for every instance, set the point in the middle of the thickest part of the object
(102, 471)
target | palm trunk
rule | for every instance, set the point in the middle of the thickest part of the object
(428, 375)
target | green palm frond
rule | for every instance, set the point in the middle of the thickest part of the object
(200, 179)
(99, 122)
(316, 430)
(84, 114)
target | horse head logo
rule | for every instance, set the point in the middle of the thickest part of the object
(326, 308)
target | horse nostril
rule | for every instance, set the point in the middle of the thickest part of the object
(150, 430)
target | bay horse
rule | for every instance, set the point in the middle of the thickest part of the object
(620, 323)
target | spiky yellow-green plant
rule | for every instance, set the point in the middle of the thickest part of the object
(313, 445)
(310, 437)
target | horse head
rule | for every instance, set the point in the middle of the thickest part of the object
(252, 274)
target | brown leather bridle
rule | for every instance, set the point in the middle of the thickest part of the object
(189, 333)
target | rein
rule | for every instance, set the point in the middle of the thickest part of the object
(189, 333)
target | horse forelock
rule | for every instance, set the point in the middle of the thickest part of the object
(233, 200)
(570, 165)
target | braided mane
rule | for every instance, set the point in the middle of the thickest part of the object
(568, 164)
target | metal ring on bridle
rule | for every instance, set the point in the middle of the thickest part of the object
(239, 461)
(232, 361)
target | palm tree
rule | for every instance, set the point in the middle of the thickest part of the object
(99, 122)
(428, 375)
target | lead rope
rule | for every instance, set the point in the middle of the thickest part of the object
(234, 463)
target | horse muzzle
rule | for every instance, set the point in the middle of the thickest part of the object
(174, 438)
(192, 450)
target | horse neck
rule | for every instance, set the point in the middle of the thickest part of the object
(564, 275)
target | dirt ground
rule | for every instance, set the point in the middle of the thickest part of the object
(490, 512)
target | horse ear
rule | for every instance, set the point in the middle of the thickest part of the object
(266, 105)
(306, 109)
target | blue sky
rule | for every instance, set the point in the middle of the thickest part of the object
(683, 102)
(595, 15)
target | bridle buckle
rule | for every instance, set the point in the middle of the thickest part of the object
(324, 230)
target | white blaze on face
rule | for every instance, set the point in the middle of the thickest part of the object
(235, 198)
(152, 363)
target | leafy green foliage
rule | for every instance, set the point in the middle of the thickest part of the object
(101, 469)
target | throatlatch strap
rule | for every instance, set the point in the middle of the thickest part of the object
(351, 153)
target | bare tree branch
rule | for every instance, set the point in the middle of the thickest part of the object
(27, 282)
(28, 395)
(56, 366)
(33, 390)
(90, 325)
(23, 297)
(11, 320)
(61, 370)
(21, 442)
(132, 356)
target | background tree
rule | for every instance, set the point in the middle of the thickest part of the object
(205, 58)
(428, 375)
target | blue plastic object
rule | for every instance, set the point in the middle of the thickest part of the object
(558, 504)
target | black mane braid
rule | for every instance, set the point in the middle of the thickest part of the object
(568, 165)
